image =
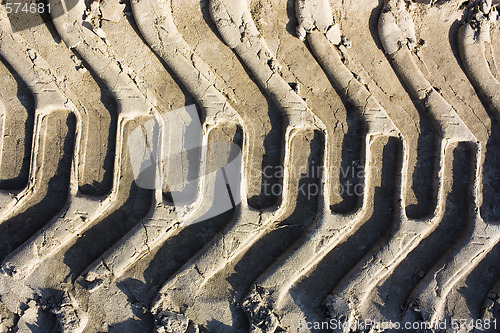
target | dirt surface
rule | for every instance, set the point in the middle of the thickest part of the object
(249, 166)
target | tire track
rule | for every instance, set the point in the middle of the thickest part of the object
(94, 103)
(276, 23)
(257, 264)
(48, 98)
(367, 60)
(394, 289)
(266, 298)
(474, 44)
(165, 220)
(199, 79)
(352, 294)
(81, 208)
(270, 289)
(257, 56)
(55, 230)
(132, 102)
(431, 293)
(396, 29)
(68, 226)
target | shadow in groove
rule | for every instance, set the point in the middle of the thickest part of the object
(423, 184)
(268, 249)
(352, 165)
(95, 241)
(53, 197)
(107, 124)
(490, 209)
(456, 220)
(311, 291)
(478, 285)
(27, 100)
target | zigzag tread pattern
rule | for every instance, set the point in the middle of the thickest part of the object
(249, 166)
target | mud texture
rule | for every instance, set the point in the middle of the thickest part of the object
(250, 166)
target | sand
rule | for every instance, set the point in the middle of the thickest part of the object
(250, 166)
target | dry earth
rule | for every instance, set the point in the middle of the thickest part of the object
(249, 165)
